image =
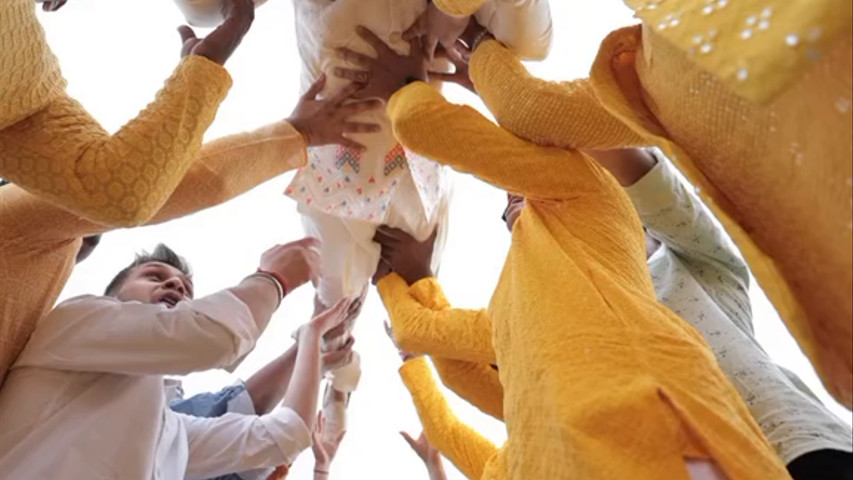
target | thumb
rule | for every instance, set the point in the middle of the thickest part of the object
(315, 88)
(186, 33)
(408, 438)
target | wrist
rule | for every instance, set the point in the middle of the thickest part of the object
(270, 281)
(279, 279)
(417, 275)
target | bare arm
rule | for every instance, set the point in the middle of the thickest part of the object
(268, 386)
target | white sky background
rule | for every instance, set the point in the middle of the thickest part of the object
(116, 54)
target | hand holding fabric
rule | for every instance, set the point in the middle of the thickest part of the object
(405, 255)
(219, 45)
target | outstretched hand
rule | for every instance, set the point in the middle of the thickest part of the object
(295, 263)
(327, 121)
(460, 74)
(404, 254)
(222, 42)
(437, 27)
(389, 71)
(423, 448)
(324, 449)
(53, 5)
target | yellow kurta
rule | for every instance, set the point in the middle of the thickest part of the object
(458, 340)
(50, 145)
(777, 174)
(39, 241)
(600, 381)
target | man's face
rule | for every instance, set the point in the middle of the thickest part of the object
(514, 206)
(156, 282)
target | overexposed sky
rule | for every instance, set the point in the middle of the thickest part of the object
(116, 54)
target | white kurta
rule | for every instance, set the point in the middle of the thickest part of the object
(86, 398)
(698, 275)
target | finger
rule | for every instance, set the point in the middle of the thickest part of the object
(444, 77)
(358, 76)
(395, 233)
(352, 144)
(340, 437)
(315, 88)
(454, 55)
(347, 91)
(430, 46)
(186, 33)
(359, 107)
(417, 29)
(368, 36)
(308, 242)
(356, 127)
(411, 441)
(383, 238)
(354, 57)
(432, 237)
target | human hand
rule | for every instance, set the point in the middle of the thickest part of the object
(324, 449)
(386, 73)
(323, 122)
(405, 255)
(296, 263)
(423, 448)
(404, 355)
(335, 359)
(437, 27)
(221, 43)
(329, 319)
(460, 74)
(53, 5)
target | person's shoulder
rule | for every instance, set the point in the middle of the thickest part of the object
(77, 306)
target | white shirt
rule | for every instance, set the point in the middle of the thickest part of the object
(698, 275)
(86, 399)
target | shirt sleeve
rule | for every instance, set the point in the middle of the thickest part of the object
(478, 383)
(524, 26)
(459, 136)
(463, 446)
(237, 443)
(63, 155)
(424, 323)
(99, 334)
(677, 218)
(561, 114)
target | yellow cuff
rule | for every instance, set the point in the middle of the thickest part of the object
(459, 8)
(428, 293)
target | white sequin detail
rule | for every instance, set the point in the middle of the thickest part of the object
(842, 105)
(742, 74)
(746, 34)
(792, 39)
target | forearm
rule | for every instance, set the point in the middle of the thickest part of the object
(268, 386)
(90, 168)
(478, 383)
(427, 124)
(562, 114)
(232, 165)
(626, 165)
(302, 392)
(446, 332)
(436, 469)
(260, 296)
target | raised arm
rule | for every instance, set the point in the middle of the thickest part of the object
(99, 334)
(62, 154)
(237, 443)
(463, 446)
(424, 323)
(676, 217)
(477, 383)
(462, 138)
(563, 114)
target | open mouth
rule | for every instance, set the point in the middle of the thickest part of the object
(170, 299)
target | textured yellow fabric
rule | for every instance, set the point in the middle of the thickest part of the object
(745, 158)
(440, 330)
(422, 318)
(459, 8)
(463, 446)
(50, 146)
(757, 48)
(600, 381)
(39, 241)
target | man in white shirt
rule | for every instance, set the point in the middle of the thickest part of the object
(86, 398)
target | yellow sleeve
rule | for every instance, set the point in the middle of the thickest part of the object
(63, 155)
(463, 446)
(225, 168)
(459, 136)
(431, 327)
(477, 383)
(561, 114)
(459, 8)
